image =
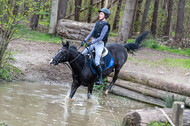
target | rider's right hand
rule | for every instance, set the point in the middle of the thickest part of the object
(83, 42)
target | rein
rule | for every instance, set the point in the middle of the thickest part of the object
(68, 65)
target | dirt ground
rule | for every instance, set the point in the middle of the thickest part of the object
(33, 59)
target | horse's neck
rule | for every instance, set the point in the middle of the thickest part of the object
(76, 65)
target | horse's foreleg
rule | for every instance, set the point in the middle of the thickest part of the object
(90, 87)
(73, 89)
(113, 81)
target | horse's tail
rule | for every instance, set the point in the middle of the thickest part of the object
(134, 46)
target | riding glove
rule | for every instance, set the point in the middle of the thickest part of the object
(83, 42)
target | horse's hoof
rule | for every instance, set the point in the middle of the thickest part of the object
(92, 101)
(67, 98)
(104, 95)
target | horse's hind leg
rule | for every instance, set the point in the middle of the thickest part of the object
(117, 69)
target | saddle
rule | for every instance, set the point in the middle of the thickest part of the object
(106, 60)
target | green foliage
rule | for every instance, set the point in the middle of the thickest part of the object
(159, 124)
(2, 124)
(180, 63)
(100, 87)
(113, 34)
(7, 71)
(169, 100)
(151, 43)
(27, 34)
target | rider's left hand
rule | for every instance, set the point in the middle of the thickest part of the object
(89, 43)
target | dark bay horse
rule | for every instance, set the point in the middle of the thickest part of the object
(81, 71)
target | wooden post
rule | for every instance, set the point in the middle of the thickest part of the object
(54, 13)
(177, 113)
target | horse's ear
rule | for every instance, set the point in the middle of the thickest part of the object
(63, 43)
(67, 44)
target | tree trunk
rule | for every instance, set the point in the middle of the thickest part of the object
(126, 21)
(73, 29)
(155, 16)
(179, 25)
(137, 96)
(149, 91)
(90, 11)
(137, 18)
(62, 9)
(132, 24)
(167, 25)
(143, 117)
(106, 4)
(77, 9)
(117, 16)
(145, 14)
(175, 87)
(35, 17)
(53, 19)
(102, 3)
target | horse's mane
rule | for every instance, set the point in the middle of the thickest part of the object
(73, 47)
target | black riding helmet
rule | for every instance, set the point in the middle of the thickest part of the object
(105, 11)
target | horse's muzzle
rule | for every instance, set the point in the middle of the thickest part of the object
(53, 62)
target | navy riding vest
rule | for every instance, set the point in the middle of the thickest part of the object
(98, 28)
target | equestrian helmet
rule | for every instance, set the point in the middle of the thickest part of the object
(105, 11)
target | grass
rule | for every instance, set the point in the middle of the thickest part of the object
(151, 43)
(180, 63)
(169, 100)
(27, 34)
(100, 87)
(159, 124)
(8, 71)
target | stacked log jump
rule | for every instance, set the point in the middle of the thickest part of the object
(73, 29)
(150, 89)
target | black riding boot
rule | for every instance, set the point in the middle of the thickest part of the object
(99, 75)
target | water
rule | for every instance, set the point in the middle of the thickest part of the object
(33, 104)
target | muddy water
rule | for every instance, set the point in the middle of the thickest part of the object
(34, 104)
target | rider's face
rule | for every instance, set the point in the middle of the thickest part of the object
(101, 16)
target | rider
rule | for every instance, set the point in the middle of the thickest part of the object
(100, 34)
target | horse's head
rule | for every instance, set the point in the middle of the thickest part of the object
(62, 55)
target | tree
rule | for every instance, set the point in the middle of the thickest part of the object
(10, 15)
(145, 14)
(102, 3)
(117, 16)
(179, 25)
(77, 9)
(168, 22)
(155, 16)
(53, 19)
(138, 13)
(133, 20)
(90, 11)
(126, 21)
(62, 9)
(35, 16)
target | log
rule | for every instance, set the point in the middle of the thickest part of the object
(73, 29)
(150, 91)
(175, 87)
(143, 117)
(137, 96)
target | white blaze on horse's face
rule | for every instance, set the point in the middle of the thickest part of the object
(51, 61)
